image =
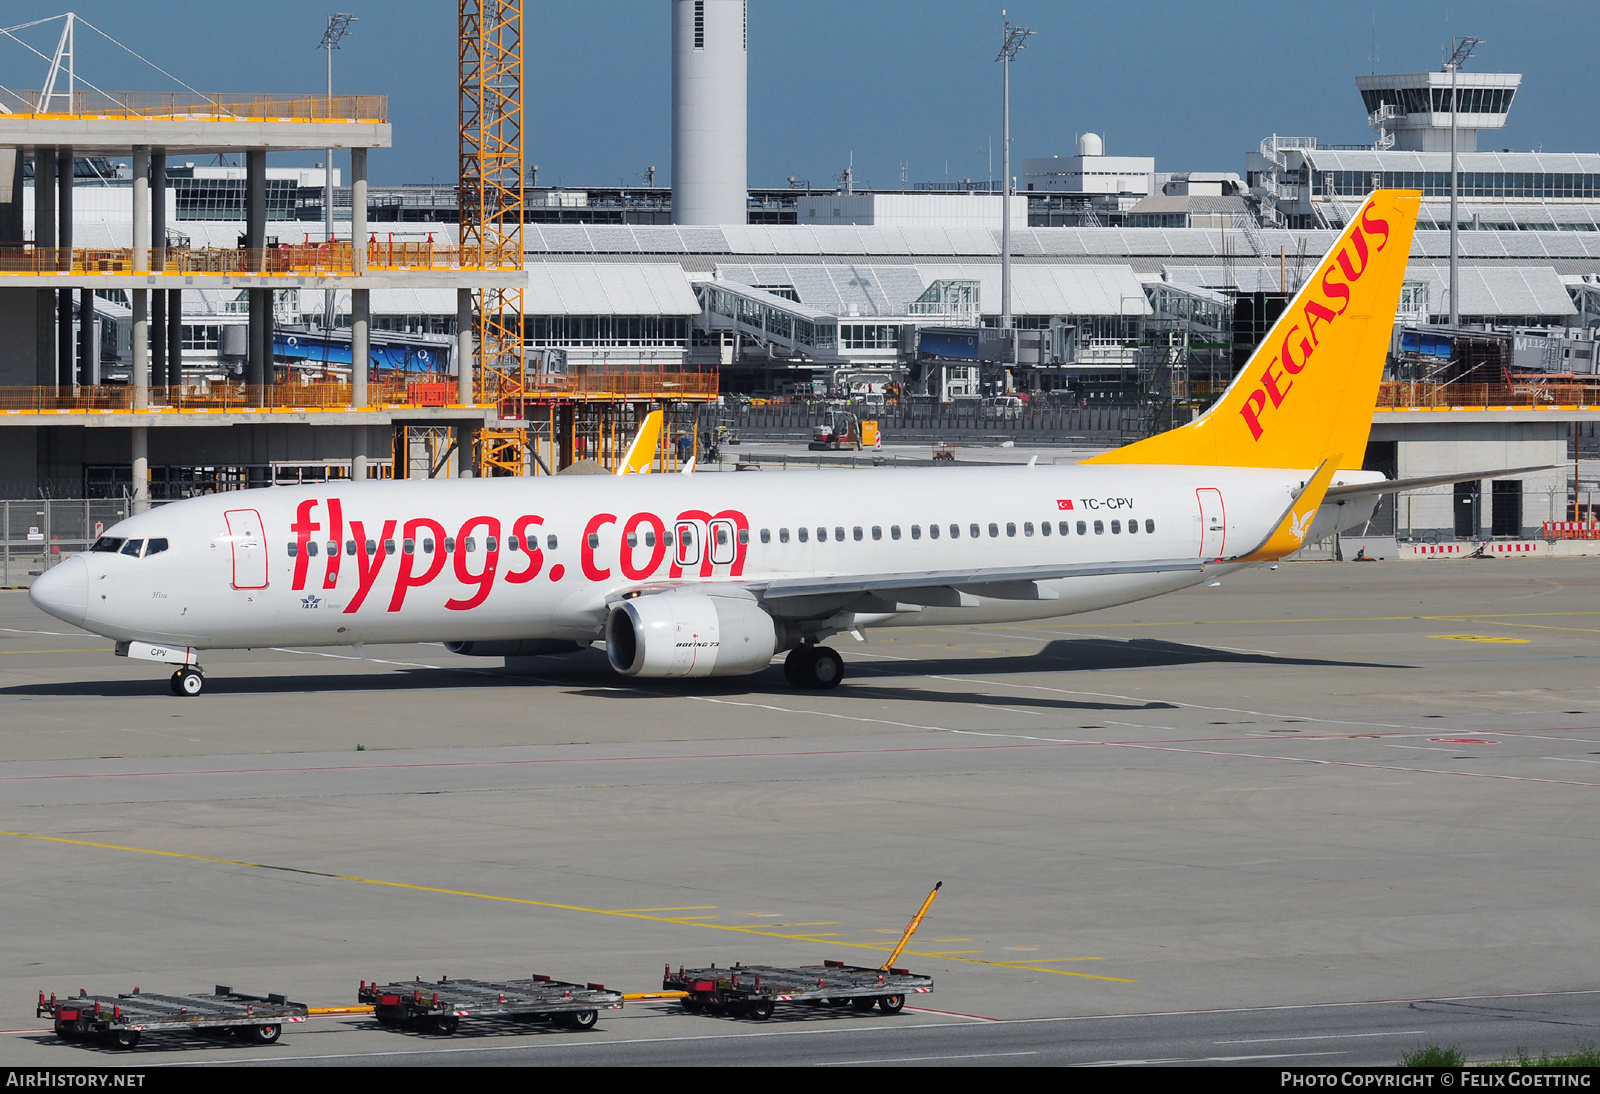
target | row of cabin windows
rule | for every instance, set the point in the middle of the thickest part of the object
(975, 531)
(720, 533)
(469, 545)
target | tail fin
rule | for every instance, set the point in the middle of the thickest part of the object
(1309, 390)
(642, 452)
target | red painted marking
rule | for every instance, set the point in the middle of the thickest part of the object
(557, 571)
(1463, 740)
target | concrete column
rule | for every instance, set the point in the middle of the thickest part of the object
(358, 460)
(86, 338)
(141, 210)
(466, 444)
(158, 243)
(174, 338)
(11, 229)
(259, 369)
(358, 207)
(44, 241)
(464, 361)
(44, 199)
(140, 436)
(360, 320)
(141, 348)
(65, 345)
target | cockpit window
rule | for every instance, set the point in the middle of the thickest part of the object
(156, 546)
(108, 544)
(133, 547)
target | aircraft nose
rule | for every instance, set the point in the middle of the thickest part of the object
(63, 591)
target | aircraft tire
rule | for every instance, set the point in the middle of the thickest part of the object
(797, 666)
(190, 682)
(177, 682)
(827, 669)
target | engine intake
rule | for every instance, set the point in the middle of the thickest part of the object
(690, 632)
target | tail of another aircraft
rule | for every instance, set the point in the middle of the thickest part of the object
(642, 452)
(1308, 392)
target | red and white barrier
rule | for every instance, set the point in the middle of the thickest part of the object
(1436, 549)
(1492, 547)
(1516, 547)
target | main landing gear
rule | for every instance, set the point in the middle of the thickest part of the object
(813, 667)
(188, 681)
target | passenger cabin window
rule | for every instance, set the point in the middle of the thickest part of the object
(856, 533)
(1099, 527)
(294, 549)
(744, 535)
(822, 535)
(1133, 526)
(372, 547)
(894, 531)
(1027, 527)
(427, 546)
(333, 547)
(388, 546)
(550, 542)
(409, 546)
(974, 531)
(766, 536)
(933, 531)
(916, 531)
(804, 535)
(649, 539)
(955, 531)
(150, 548)
(1011, 529)
(449, 544)
(1150, 527)
(838, 534)
(490, 543)
(783, 535)
(1044, 528)
(594, 541)
(1083, 529)
(350, 547)
(1116, 527)
(469, 544)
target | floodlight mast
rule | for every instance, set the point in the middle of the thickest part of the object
(338, 26)
(1015, 39)
(1461, 49)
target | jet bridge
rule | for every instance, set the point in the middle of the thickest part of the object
(765, 317)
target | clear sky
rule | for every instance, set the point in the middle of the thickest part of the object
(1196, 85)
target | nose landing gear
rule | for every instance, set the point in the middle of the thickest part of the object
(813, 667)
(188, 681)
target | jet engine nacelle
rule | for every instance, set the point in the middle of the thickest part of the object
(514, 647)
(690, 632)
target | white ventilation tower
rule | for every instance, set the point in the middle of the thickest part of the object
(710, 40)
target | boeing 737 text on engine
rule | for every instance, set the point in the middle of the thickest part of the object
(697, 575)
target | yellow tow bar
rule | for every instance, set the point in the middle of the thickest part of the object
(911, 928)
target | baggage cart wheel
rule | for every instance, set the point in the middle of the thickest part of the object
(836, 1002)
(761, 1009)
(583, 1019)
(827, 669)
(691, 1004)
(446, 1024)
(190, 682)
(891, 1004)
(263, 1035)
(863, 1003)
(388, 1021)
(124, 1038)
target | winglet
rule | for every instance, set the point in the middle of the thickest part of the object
(642, 452)
(1290, 534)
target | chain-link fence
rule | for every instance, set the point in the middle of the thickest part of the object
(36, 535)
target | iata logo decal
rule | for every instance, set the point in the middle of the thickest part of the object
(1295, 353)
(311, 602)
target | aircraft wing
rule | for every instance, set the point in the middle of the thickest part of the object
(1390, 486)
(1003, 582)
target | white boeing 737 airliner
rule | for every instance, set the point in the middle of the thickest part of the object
(715, 574)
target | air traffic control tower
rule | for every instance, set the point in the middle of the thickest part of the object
(55, 420)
